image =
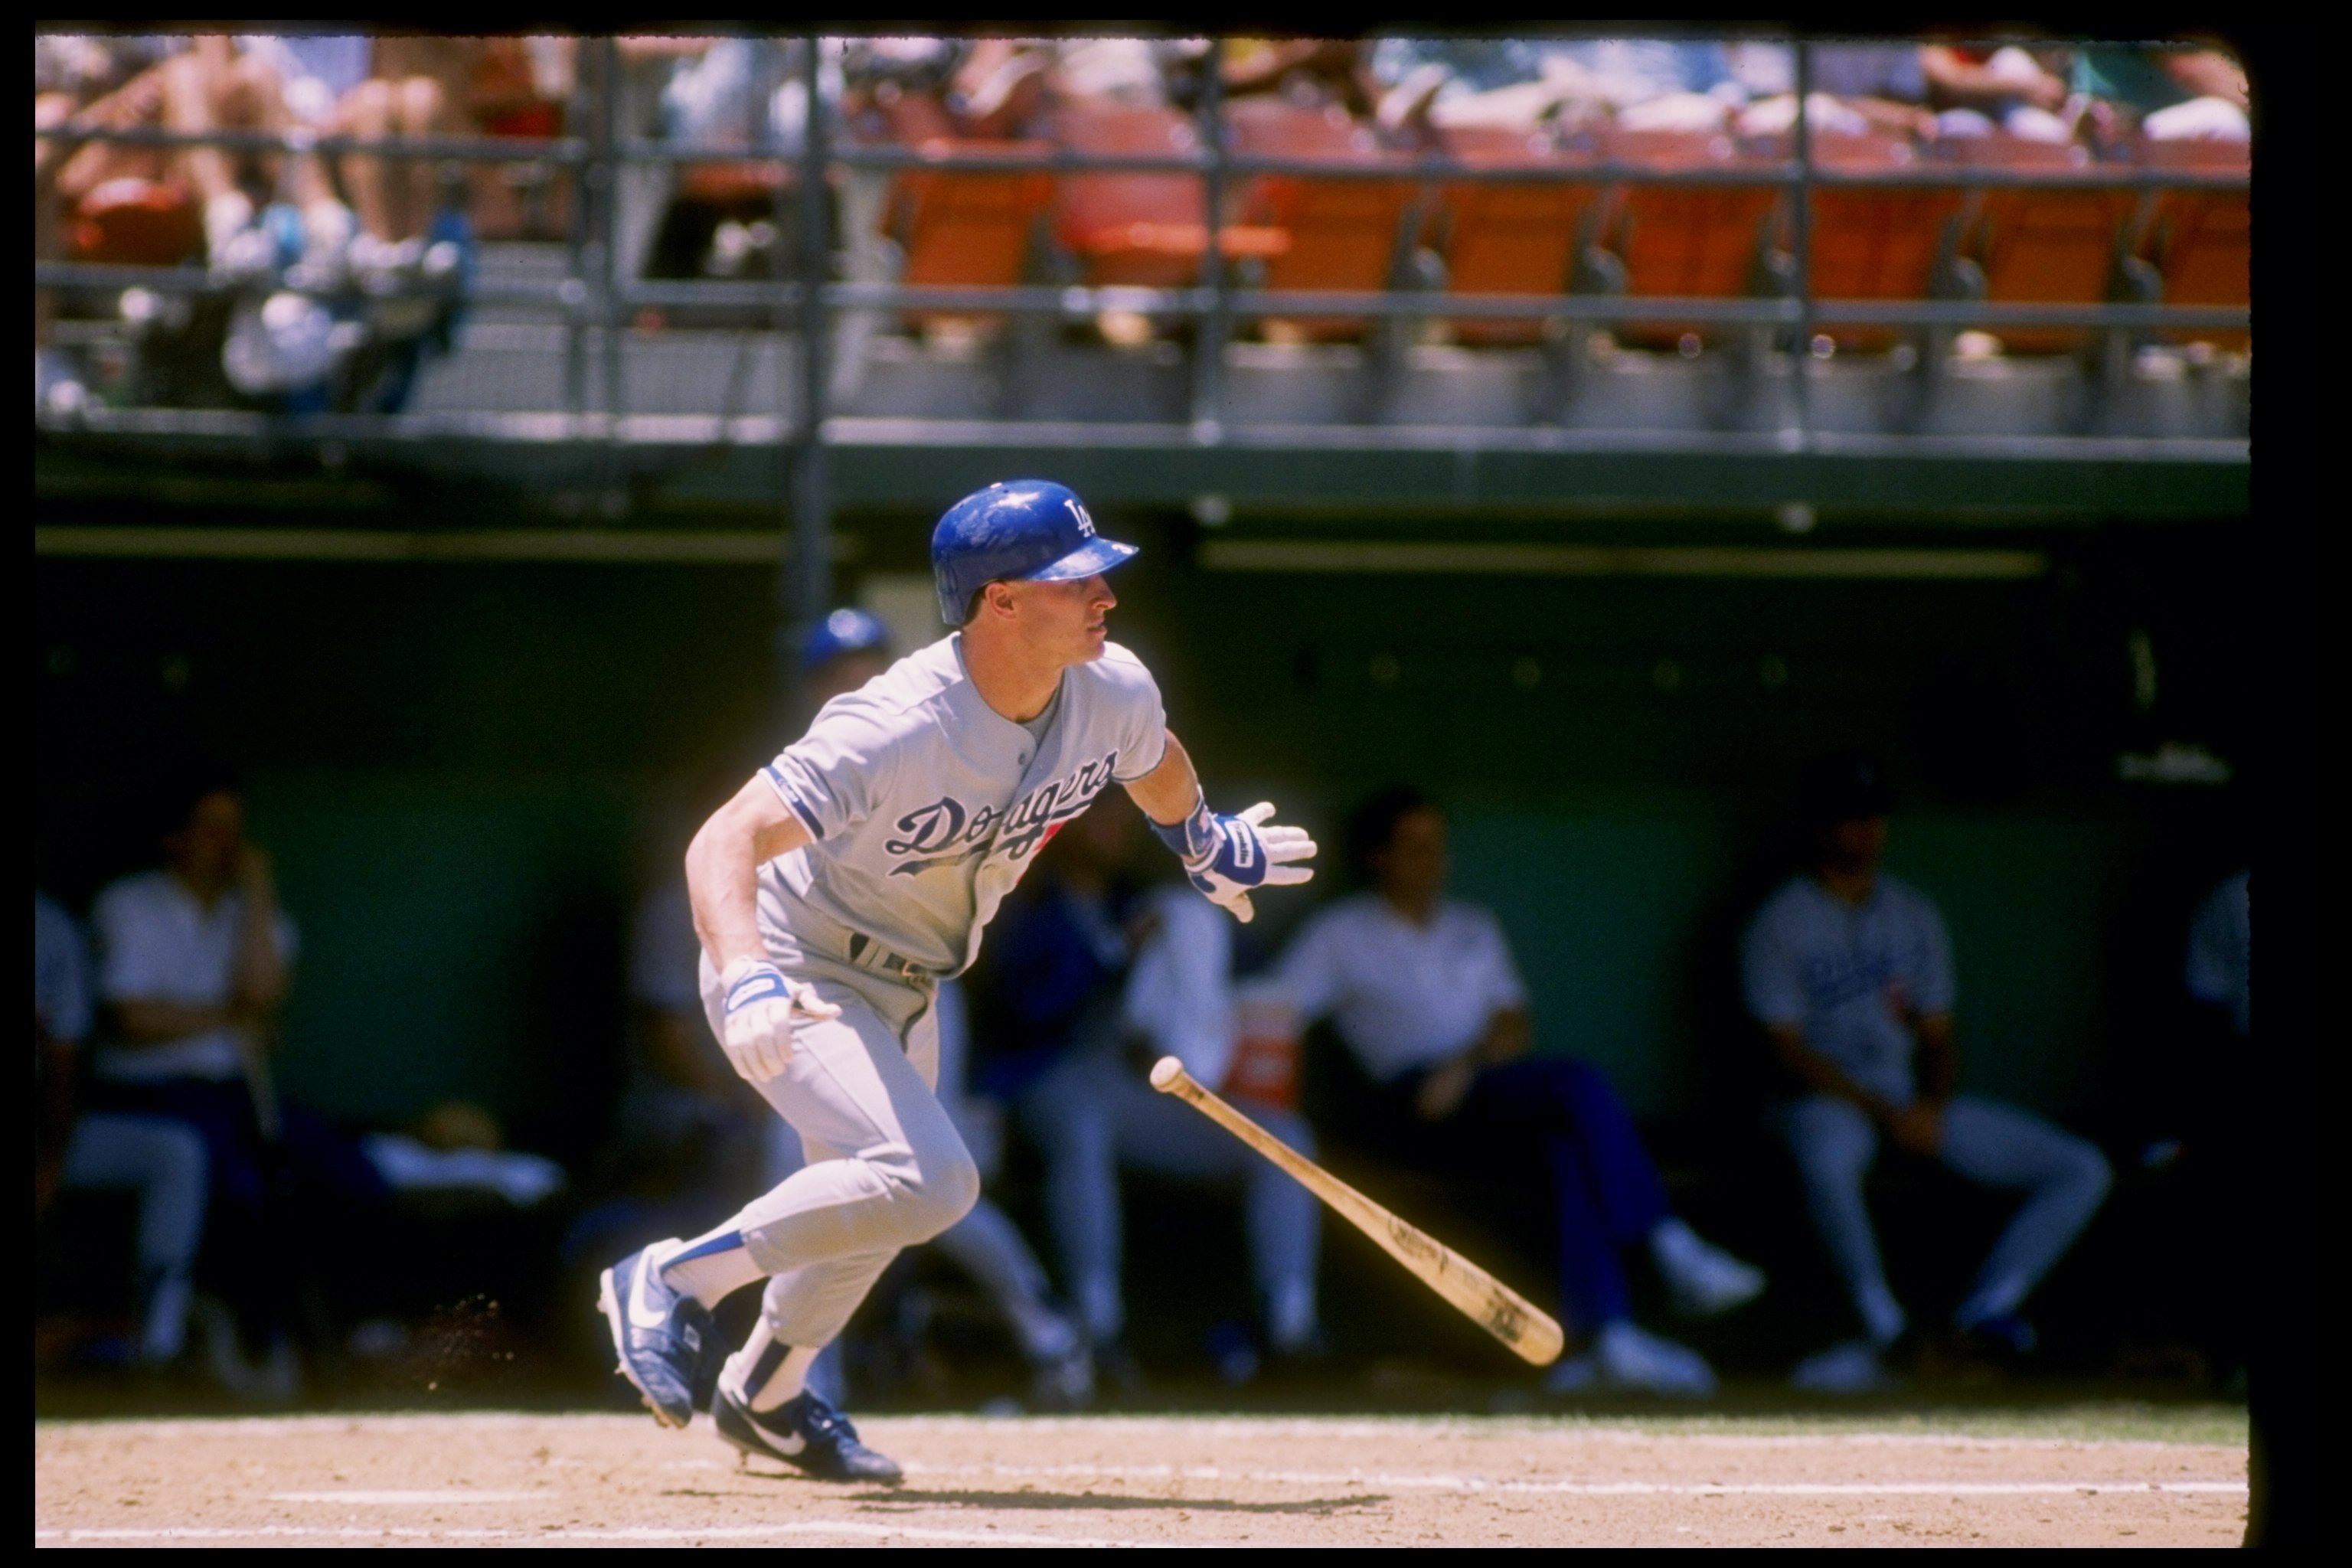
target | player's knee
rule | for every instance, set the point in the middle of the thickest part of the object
(2087, 1172)
(950, 1186)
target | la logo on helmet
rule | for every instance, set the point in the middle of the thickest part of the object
(1086, 523)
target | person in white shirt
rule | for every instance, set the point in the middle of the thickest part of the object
(1424, 991)
(159, 1159)
(196, 960)
(1109, 984)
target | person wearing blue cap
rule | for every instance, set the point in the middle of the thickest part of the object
(838, 889)
(842, 652)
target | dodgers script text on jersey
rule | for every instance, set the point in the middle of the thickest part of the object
(927, 804)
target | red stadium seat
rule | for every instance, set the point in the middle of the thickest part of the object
(1693, 241)
(134, 222)
(2200, 242)
(1344, 233)
(966, 230)
(2042, 245)
(1875, 244)
(1143, 230)
(1513, 239)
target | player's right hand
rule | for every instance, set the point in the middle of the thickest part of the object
(762, 1005)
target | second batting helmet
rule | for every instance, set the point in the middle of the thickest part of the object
(1027, 531)
(844, 631)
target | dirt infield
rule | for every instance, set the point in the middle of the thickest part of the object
(520, 1480)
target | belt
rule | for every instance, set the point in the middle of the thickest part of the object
(867, 953)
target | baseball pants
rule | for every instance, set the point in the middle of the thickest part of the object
(1091, 1113)
(885, 1168)
(2064, 1178)
(164, 1162)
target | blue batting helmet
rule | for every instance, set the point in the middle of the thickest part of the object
(844, 631)
(1029, 531)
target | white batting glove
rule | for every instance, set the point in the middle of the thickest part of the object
(762, 1005)
(1225, 856)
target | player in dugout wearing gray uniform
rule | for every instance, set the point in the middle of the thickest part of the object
(1849, 971)
(834, 892)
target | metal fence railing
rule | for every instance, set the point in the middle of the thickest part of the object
(593, 303)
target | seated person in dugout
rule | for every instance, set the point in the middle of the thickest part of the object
(1424, 991)
(195, 962)
(1095, 981)
(159, 1161)
(1849, 972)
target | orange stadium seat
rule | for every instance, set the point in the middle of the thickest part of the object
(1344, 233)
(2042, 245)
(2200, 242)
(1513, 239)
(1143, 230)
(1691, 241)
(1877, 243)
(966, 230)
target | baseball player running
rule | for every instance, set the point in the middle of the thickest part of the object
(837, 889)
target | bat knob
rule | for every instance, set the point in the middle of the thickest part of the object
(1165, 1073)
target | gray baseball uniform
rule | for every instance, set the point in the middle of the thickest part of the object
(925, 806)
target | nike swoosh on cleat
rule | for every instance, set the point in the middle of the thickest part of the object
(642, 1313)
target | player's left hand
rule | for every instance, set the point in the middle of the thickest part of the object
(1225, 856)
(762, 1004)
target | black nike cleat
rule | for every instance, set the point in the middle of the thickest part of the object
(806, 1433)
(664, 1339)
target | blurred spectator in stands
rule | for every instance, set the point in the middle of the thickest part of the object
(196, 961)
(1094, 979)
(2184, 93)
(159, 1159)
(1425, 993)
(1849, 971)
(1641, 84)
(1309, 72)
(1004, 86)
(1855, 89)
(1977, 90)
(212, 84)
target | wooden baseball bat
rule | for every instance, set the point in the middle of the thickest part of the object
(1533, 1334)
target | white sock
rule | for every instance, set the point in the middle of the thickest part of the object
(1881, 1314)
(1100, 1309)
(712, 1267)
(779, 1371)
(1290, 1313)
(1671, 1241)
(165, 1331)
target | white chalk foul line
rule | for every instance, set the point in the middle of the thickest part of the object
(850, 1528)
(435, 1498)
(1424, 1482)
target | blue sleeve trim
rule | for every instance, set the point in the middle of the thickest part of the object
(790, 797)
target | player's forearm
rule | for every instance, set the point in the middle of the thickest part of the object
(148, 1023)
(1823, 1075)
(1506, 1037)
(722, 881)
(723, 870)
(1940, 1057)
(1167, 793)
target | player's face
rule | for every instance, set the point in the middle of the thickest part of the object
(1857, 844)
(1411, 870)
(207, 848)
(1067, 620)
